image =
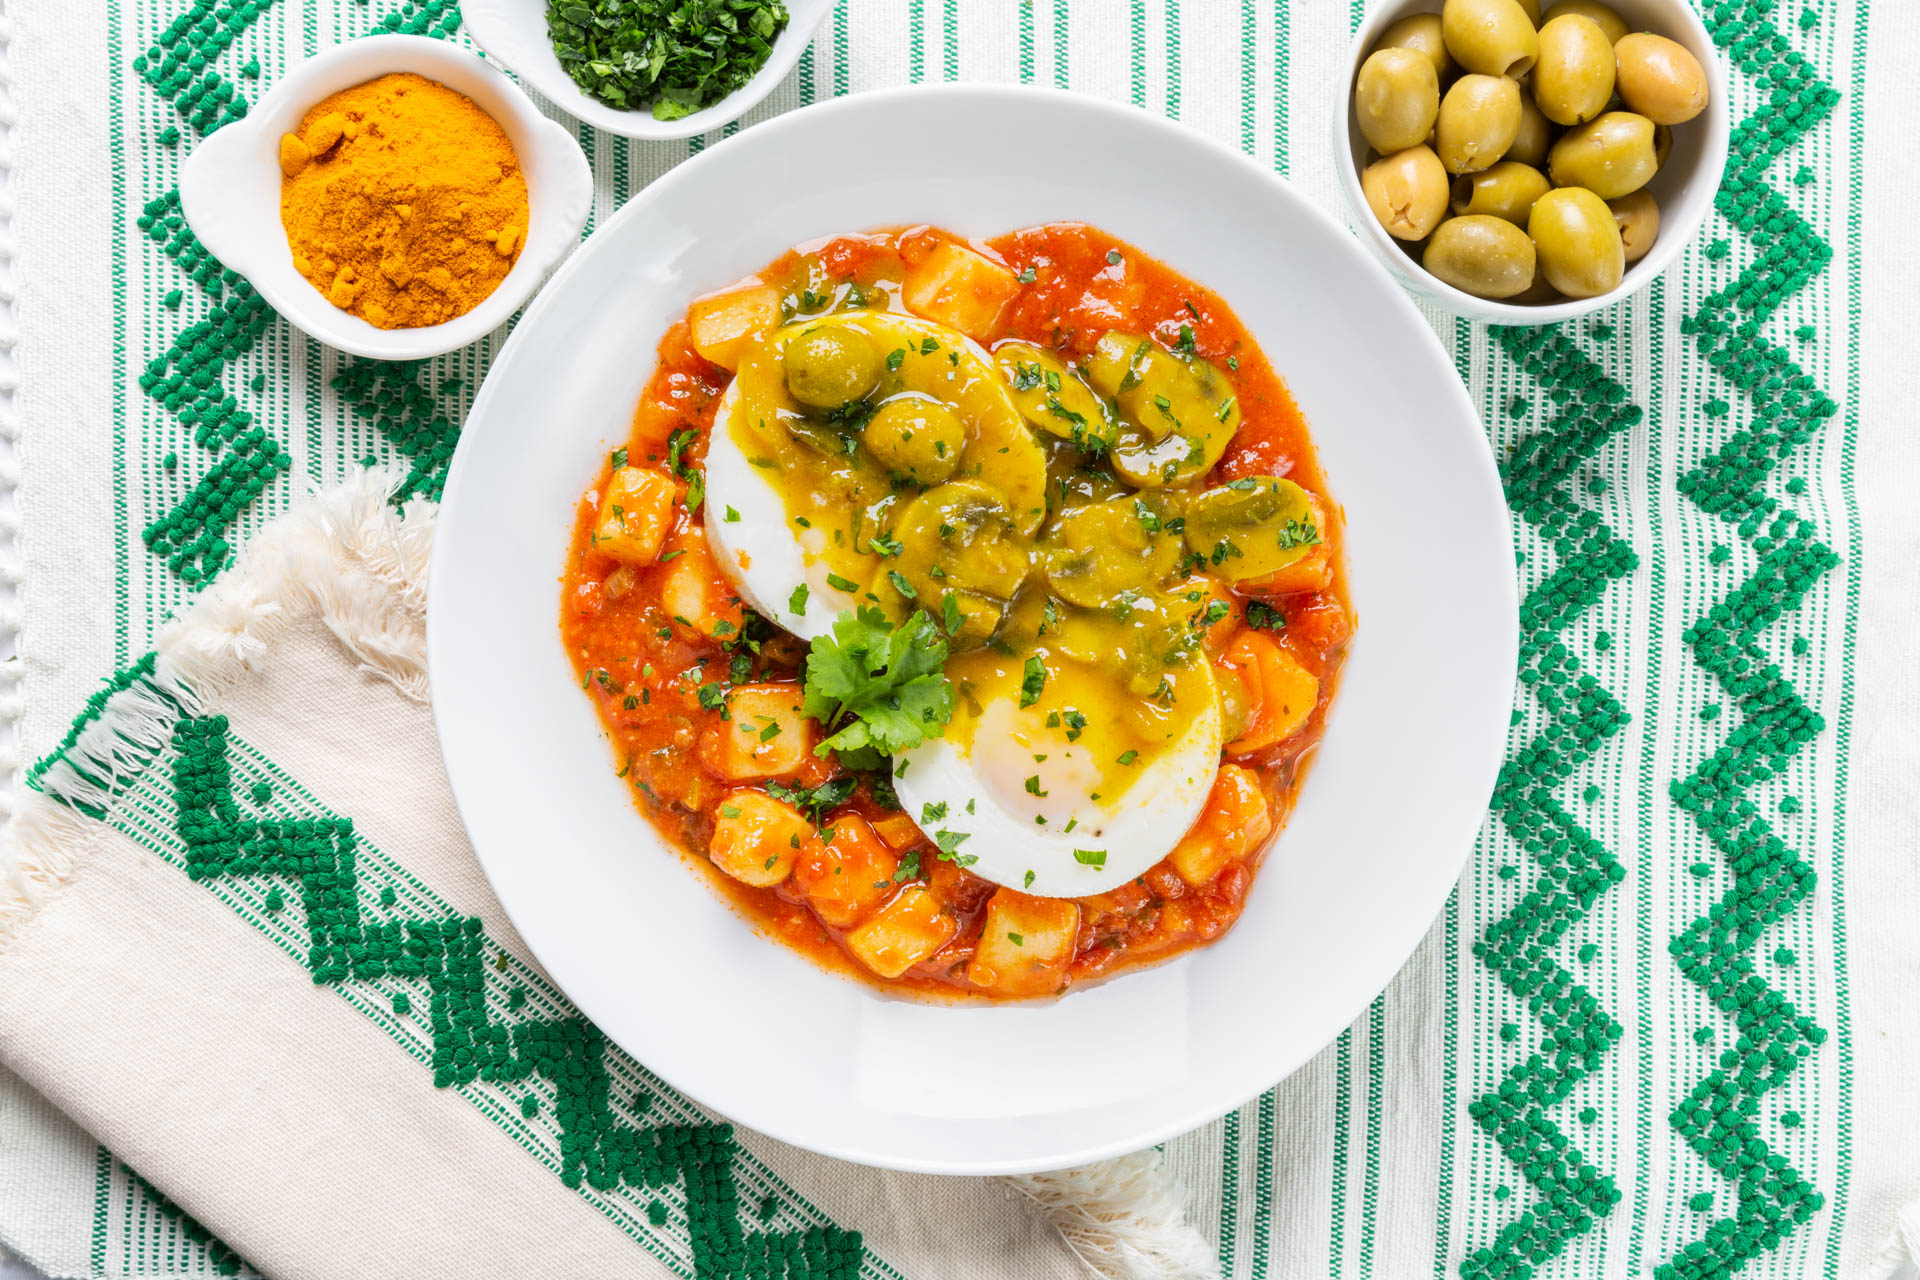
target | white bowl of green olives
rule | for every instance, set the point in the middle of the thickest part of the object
(1526, 161)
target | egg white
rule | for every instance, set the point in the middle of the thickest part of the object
(983, 788)
(764, 553)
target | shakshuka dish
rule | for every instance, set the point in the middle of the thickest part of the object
(972, 608)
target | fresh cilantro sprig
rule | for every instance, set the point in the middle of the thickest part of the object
(878, 689)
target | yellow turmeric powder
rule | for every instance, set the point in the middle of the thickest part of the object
(403, 202)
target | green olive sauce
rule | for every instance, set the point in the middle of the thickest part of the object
(1046, 511)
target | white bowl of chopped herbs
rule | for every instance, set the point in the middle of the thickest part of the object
(647, 68)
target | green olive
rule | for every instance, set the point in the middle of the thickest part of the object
(1612, 25)
(1574, 78)
(1145, 637)
(1660, 79)
(1180, 410)
(1253, 526)
(828, 366)
(1421, 33)
(1485, 256)
(1578, 242)
(916, 437)
(1479, 119)
(1051, 396)
(1407, 192)
(1535, 137)
(1072, 479)
(1639, 220)
(1610, 156)
(1492, 37)
(1396, 99)
(958, 539)
(1097, 551)
(1507, 190)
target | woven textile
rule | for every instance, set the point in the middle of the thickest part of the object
(259, 1004)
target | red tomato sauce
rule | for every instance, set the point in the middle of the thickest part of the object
(645, 664)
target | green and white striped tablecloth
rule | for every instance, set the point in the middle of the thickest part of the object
(1668, 1024)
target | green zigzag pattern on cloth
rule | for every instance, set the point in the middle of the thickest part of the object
(450, 954)
(1575, 869)
(1719, 1117)
(193, 538)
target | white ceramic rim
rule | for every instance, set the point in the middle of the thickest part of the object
(514, 33)
(1483, 516)
(230, 192)
(1715, 124)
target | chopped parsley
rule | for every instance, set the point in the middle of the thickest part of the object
(1298, 533)
(814, 801)
(1095, 858)
(1032, 680)
(797, 602)
(618, 457)
(949, 842)
(1026, 276)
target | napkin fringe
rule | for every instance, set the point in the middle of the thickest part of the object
(1126, 1219)
(1899, 1256)
(344, 555)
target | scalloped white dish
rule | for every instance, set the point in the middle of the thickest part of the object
(230, 192)
(1383, 825)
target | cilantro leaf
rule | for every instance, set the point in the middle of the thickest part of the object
(873, 685)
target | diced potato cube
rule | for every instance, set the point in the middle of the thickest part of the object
(694, 593)
(903, 933)
(845, 871)
(1234, 822)
(756, 839)
(958, 287)
(1200, 856)
(1025, 945)
(635, 513)
(1281, 693)
(764, 736)
(722, 324)
(898, 830)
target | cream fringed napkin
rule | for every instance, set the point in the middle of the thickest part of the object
(249, 949)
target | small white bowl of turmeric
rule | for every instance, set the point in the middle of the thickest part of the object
(395, 197)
